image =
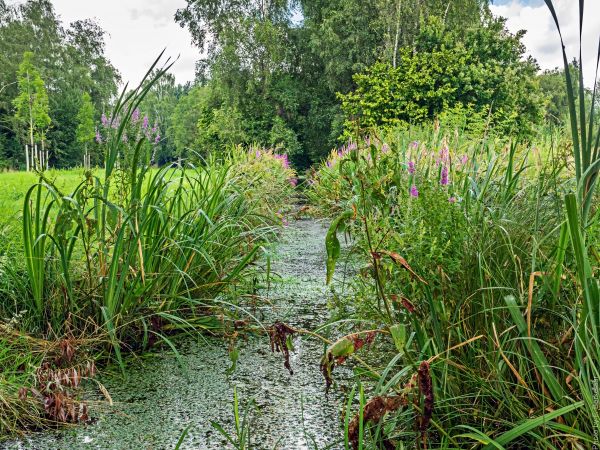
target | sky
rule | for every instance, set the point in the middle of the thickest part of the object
(139, 29)
(542, 40)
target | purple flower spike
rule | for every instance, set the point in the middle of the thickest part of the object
(464, 159)
(145, 122)
(444, 153)
(157, 139)
(444, 176)
(414, 192)
(385, 148)
(98, 137)
(411, 167)
(135, 115)
(104, 120)
(414, 144)
(452, 199)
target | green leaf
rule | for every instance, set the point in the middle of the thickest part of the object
(332, 243)
(398, 333)
(530, 424)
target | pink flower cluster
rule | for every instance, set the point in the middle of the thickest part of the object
(134, 132)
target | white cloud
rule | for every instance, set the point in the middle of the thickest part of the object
(542, 40)
(138, 30)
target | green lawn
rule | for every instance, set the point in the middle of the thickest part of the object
(14, 186)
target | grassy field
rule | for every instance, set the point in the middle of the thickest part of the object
(14, 186)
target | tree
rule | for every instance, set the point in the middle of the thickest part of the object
(277, 64)
(483, 70)
(70, 60)
(86, 129)
(31, 105)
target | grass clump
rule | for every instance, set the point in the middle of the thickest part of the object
(468, 267)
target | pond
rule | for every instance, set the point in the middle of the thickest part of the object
(159, 398)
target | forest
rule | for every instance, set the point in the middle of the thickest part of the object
(364, 225)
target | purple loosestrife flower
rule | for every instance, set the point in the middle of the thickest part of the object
(104, 120)
(411, 167)
(452, 199)
(98, 136)
(145, 122)
(414, 144)
(293, 182)
(414, 192)
(464, 159)
(385, 148)
(444, 154)
(157, 139)
(135, 115)
(444, 176)
(257, 154)
(329, 164)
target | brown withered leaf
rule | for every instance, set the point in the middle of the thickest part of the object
(402, 262)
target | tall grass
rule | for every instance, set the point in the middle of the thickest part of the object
(137, 251)
(476, 270)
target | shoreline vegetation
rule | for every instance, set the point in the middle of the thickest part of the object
(471, 318)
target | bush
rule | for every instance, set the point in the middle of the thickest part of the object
(481, 69)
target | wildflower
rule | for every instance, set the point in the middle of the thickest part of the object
(444, 176)
(452, 199)
(284, 160)
(293, 182)
(464, 159)
(104, 120)
(411, 167)
(329, 164)
(257, 154)
(444, 153)
(135, 115)
(385, 148)
(145, 122)
(414, 144)
(98, 137)
(414, 192)
(157, 139)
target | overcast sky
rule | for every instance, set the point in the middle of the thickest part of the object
(139, 29)
(542, 39)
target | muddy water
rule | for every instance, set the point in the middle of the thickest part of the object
(159, 399)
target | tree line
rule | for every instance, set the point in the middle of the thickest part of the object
(296, 75)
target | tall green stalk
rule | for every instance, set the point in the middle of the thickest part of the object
(584, 132)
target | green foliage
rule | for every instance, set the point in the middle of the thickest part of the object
(161, 244)
(70, 60)
(278, 65)
(585, 131)
(31, 105)
(448, 228)
(480, 68)
(85, 117)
